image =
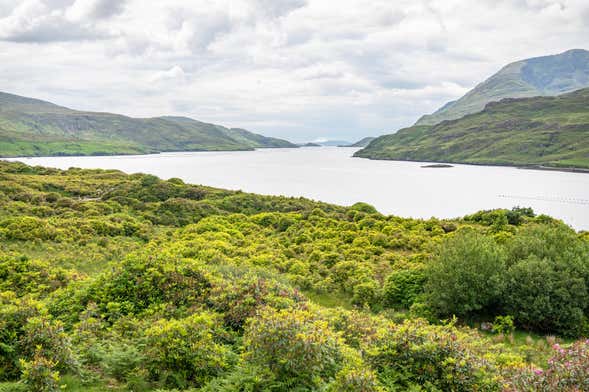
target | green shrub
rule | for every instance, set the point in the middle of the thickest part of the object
(467, 275)
(544, 297)
(354, 379)
(402, 287)
(503, 325)
(39, 374)
(185, 352)
(295, 345)
(437, 357)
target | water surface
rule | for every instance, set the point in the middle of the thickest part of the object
(330, 174)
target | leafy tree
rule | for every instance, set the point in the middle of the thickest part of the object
(542, 297)
(467, 275)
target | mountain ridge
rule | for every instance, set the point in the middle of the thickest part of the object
(538, 76)
(33, 127)
(550, 131)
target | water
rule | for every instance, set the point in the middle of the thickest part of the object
(330, 174)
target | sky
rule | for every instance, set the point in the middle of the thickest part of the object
(297, 69)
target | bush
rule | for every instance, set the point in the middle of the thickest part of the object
(354, 379)
(366, 293)
(297, 347)
(26, 332)
(39, 374)
(503, 325)
(543, 297)
(567, 371)
(402, 287)
(182, 353)
(467, 275)
(415, 354)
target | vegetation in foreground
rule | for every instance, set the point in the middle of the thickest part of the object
(114, 282)
(30, 127)
(540, 131)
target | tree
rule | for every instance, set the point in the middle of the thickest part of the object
(466, 276)
(544, 298)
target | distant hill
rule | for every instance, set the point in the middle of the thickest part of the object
(31, 127)
(333, 143)
(539, 131)
(361, 143)
(310, 145)
(540, 76)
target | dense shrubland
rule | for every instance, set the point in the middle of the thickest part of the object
(128, 282)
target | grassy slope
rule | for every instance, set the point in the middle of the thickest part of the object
(548, 75)
(33, 127)
(363, 142)
(548, 131)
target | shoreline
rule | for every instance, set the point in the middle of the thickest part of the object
(523, 167)
(134, 154)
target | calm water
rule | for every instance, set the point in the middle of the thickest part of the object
(330, 174)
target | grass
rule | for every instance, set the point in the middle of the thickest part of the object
(329, 300)
(533, 347)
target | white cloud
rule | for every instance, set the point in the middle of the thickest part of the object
(94, 9)
(174, 74)
(289, 68)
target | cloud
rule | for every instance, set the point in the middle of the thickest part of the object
(94, 9)
(44, 21)
(277, 8)
(174, 74)
(38, 21)
(288, 68)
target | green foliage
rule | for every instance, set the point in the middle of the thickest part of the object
(547, 279)
(39, 374)
(503, 325)
(467, 276)
(129, 282)
(26, 332)
(295, 345)
(567, 371)
(182, 353)
(544, 298)
(403, 286)
(352, 379)
(438, 358)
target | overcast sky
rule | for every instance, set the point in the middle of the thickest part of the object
(299, 69)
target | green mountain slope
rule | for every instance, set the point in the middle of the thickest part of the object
(548, 75)
(547, 131)
(362, 142)
(33, 127)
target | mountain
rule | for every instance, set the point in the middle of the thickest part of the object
(548, 75)
(538, 131)
(362, 142)
(333, 143)
(31, 127)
